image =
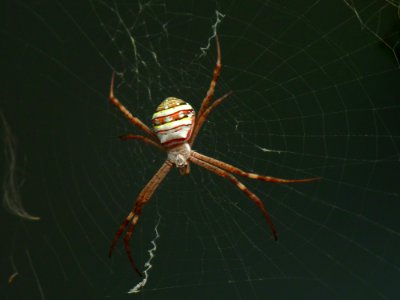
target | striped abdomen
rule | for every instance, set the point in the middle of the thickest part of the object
(173, 121)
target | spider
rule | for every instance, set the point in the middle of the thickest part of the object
(174, 131)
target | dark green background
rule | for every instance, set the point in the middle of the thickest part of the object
(308, 79)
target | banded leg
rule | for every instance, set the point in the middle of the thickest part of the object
(204, 116)
(127, 237)
(133, 216)
(210, 93)
(241, 186)
(142, 138)
(135, 121)
(234, 170)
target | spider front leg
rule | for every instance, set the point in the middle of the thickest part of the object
(224, 170)
(133, 216)
(253, 197)
(234, 170)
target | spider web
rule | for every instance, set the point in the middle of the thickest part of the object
(314, 94)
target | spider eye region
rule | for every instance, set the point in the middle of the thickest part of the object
(173, 121)
(179, 155)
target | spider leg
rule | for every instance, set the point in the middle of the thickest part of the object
(135, 121)
(213, 83)
(142, 138)
(127, 237)
(241, 186)
(204, 116)
(206, 101)
(119, 232)
(133, 216)
(234, 170)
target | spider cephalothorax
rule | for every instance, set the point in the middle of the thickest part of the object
(175, 131)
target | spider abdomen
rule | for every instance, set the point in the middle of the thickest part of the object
(173, 121)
